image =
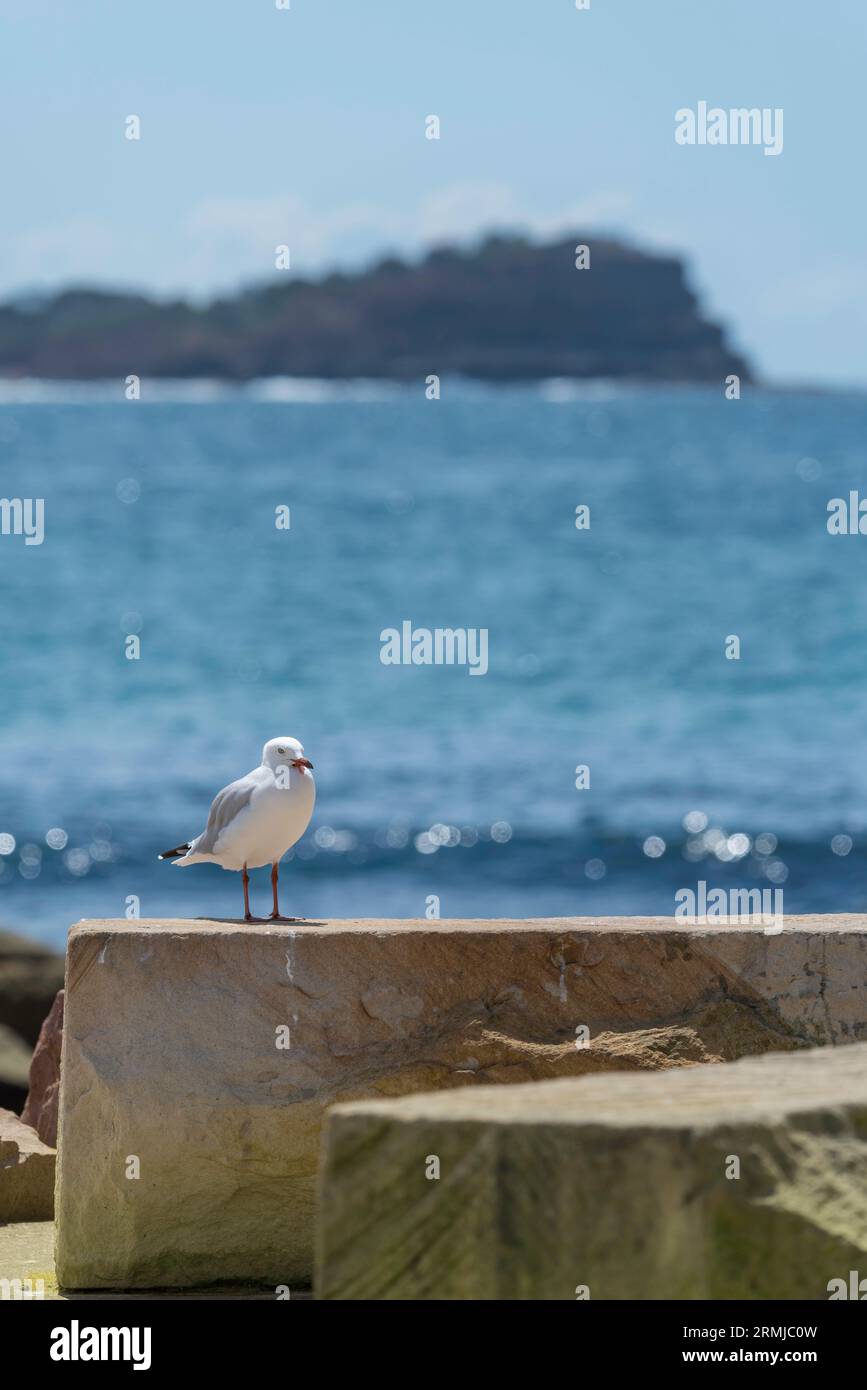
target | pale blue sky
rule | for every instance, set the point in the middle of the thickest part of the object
(306, 126)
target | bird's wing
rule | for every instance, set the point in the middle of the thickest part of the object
(227, 804)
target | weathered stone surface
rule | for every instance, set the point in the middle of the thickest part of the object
(170, 1053)
(40, 1109)
(27, 1267)
(26, 1172)
(14, 1069)
(30, 976)
(617, 1186)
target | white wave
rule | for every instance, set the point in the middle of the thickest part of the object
(293, 390)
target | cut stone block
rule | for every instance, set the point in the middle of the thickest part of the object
(26, 1172)
(27, 1272)
(203, 1055)
(739, 1180)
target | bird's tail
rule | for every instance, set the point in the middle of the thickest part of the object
(174, 853)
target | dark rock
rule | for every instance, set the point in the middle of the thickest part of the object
(30, 976)
(14, 1070)
(508, 310)
(40, 1110)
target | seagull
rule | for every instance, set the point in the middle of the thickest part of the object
(255, 820)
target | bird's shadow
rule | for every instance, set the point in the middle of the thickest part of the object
(264, 921)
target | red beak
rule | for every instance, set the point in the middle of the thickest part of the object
(302, 762)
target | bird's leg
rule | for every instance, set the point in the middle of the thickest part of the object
(275, 915)
(245, 879)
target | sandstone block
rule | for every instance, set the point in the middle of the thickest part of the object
(26, 1172)
(199, 1058)
(736, 1180)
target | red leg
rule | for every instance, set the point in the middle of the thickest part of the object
(275, 915)
(245, 879)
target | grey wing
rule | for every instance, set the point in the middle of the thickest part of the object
(225, 806)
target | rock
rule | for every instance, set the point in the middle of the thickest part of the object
(507, 310)
(26, 1172)
(743, 1180)
(40, 1109)
(27, 1261)
(14, 1069)
(30, 976)
(176, 1063)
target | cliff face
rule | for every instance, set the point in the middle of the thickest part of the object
(507, 311)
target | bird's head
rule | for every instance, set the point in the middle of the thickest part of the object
(285, 752)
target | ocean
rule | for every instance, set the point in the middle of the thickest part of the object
(438, 790)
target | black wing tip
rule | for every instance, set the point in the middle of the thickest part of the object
(175, 853)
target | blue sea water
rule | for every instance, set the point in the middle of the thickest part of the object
(606, 646)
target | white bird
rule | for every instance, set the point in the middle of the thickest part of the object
(255, 820)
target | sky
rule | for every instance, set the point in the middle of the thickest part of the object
(306, 127)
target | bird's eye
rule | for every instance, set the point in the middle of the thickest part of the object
(281, 750)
